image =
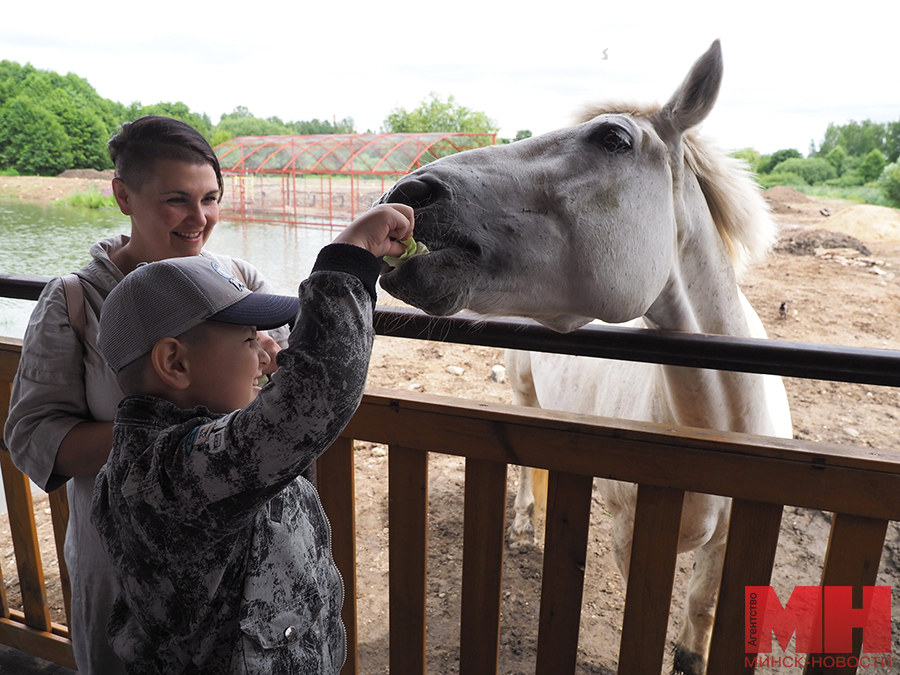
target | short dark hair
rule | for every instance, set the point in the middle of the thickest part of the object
(139, 143)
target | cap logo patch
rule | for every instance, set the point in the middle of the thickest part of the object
(228, 276)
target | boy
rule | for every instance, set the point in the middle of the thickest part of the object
(222, 550)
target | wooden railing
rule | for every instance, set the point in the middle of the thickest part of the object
(861, 486)
(30, 628)
(761, 474)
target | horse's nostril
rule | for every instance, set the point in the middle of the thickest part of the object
(412, 191)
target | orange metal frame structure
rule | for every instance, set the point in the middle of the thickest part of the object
(324, 180)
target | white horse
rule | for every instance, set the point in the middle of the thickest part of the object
(627, 216)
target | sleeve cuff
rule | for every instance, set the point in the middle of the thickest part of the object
(353, 260)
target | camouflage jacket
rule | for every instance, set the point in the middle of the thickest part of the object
(223, 551)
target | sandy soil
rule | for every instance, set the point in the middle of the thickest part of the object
(815, 287)
(51, 188)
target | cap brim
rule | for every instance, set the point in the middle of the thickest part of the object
(261, 310)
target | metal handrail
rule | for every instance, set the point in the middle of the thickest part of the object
(752, 355)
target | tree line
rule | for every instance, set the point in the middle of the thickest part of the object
(51, 122)
(853, 155)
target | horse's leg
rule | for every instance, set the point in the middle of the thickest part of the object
(700, 611)
(692, 646)
(518, 370)
(521, 531)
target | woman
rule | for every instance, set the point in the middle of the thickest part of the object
(64, 397)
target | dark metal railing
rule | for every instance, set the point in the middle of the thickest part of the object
(778, 357)
(21, 287)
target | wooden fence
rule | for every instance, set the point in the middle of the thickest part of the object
(861, 487)
(29, 628)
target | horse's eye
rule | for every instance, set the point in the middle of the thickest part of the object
(614, 141)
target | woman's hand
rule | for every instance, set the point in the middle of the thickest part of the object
(380, 229)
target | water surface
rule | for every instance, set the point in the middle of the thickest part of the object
(51, 240)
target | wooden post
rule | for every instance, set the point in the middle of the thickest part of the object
(854, 553)
(562, 581)
(483, 544)
(25, 543)
(337, 489)
(407, 558)
(752, 539)
(59, 508)
(654, 550)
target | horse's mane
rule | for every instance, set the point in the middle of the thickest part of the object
(735, 200)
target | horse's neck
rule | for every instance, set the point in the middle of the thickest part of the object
(702, 296)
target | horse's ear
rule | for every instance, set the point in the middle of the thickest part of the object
(697, 94)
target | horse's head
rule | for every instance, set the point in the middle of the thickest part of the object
(572, 225)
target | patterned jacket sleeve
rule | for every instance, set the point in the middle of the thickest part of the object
(216, 476)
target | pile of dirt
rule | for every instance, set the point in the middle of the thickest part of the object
(782, 194)
(93, 174)
(783, 200)
(805, 242)
(872, 224)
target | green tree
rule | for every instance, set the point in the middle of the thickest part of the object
(771, 179)
(812, 169)
(436, 115)
(11, 77)
(889, 182)
(219, 136)
(892, 141)
(86, 118)
(178, 110)
(110, 113)
(32, 141)
(837, 157)
(767, 164)
(749, 155)
(87, 133)
(241, 122)
(857, 138)
(317, 126)
(872, 165)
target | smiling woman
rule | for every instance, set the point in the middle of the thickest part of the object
(169, 183)
(65, 396)
(172, 213)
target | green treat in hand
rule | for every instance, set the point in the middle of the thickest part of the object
(413, 248)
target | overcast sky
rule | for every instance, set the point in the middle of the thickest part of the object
(790, 67)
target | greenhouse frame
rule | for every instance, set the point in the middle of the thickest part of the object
(324, 180)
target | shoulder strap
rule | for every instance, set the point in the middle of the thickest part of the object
(75, 304)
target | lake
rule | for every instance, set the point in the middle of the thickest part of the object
(51, 240)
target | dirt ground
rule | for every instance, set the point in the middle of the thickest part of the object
(51, 188)
(832, 279)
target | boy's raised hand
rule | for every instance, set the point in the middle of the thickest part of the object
(380, 229)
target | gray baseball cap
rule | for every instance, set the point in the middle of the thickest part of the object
(168, 297)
